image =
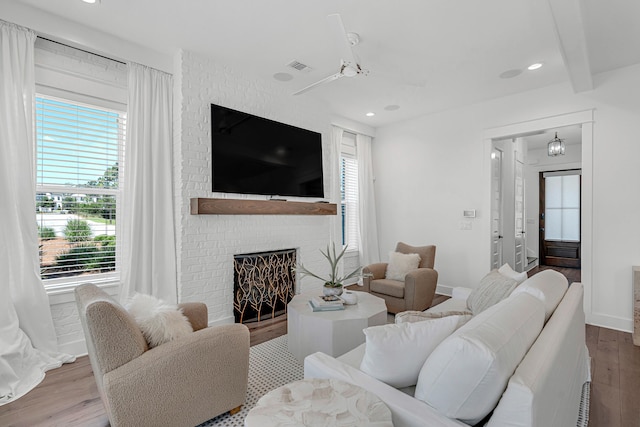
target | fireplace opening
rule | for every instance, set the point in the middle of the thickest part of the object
(263, 284)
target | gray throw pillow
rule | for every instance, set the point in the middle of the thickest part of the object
(493, 288)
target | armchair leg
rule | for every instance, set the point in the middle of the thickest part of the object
(235, 410)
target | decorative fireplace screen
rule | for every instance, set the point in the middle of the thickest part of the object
(263, 284)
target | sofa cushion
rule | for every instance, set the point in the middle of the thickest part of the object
(509, 272)
(392, 288)
(159, 321)
(400, 264)
(493, 288)
(394, 354)
(467, 373)
(548, 286)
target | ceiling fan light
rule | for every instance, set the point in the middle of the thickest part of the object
(349, 71)
(555, 147)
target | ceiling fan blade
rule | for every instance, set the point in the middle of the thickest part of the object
(342, 41)
(319, 82)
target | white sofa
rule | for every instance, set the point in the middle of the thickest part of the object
(544, 391)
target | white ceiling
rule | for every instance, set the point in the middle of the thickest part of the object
(424, 56)
(570, 135)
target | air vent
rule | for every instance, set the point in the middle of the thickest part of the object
(299, 66)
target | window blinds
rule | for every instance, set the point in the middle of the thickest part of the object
(349, 175)
(79, 158)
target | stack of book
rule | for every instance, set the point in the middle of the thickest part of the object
(326, 303)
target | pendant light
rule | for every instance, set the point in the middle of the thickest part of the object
(555, 147)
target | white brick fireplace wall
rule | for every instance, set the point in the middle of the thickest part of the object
(207, 243)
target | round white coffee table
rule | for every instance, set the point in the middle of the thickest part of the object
(331, 332)
(319, 403)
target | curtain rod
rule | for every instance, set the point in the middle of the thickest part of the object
(350, 130)
(82, 50)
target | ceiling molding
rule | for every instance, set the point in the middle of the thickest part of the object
(568, 21)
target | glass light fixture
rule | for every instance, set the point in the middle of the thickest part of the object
(555, 147)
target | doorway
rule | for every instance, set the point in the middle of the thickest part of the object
(584, 120)
(560, 196)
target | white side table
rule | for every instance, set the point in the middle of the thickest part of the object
(331, 332)
(319, 402)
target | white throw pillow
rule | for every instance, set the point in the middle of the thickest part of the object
(493, 288)
(412, 316)
(548, 286)
(400, 264)
(394, 354)
(506, 270)
(466, 374)
(159, 321)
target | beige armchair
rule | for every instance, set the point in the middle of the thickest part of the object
(418, 288)
(180, 383)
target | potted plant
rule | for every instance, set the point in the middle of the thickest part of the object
(333, 283)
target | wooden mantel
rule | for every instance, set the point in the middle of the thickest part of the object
(207, 206)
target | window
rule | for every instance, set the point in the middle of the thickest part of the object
(349, 192)
(562, 207)
(79, 153)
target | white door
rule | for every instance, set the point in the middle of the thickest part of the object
(520, 250)
(496, 208)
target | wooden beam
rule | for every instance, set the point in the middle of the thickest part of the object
(568, 21)
(208, 206)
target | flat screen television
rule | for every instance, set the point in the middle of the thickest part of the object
(254, 155)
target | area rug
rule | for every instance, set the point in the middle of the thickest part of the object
(270, 366)
(583, 415)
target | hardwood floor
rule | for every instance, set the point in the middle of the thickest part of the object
(615, 375)
(572, 274)
(68, 396)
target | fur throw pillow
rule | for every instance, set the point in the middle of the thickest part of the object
(159, 321)
(400, 264)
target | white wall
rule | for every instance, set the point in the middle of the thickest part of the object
(431, 168)
(207, 243)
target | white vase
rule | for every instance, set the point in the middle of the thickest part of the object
(350, 298)
(331, 290)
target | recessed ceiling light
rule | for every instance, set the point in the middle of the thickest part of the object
(534, 66)
(392, 107)
(370, 114)
(283, 77)
(91, 1)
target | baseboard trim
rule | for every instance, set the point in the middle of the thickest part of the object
(223, 321)
(444, 290)
(77, 348)
(610, 322)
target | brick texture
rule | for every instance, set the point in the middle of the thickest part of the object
(207, 243)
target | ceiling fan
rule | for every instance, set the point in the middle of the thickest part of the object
(349, 65)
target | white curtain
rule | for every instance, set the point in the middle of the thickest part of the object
(368, 232)
(149, 251)
(28, 345)
(336, 143)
